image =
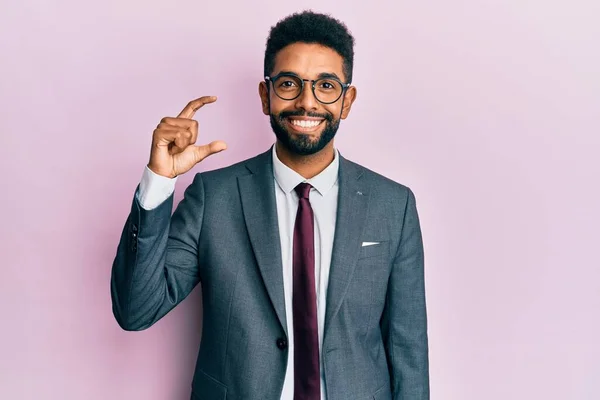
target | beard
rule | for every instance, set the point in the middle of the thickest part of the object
(302, 144)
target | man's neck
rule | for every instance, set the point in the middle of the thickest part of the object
(307, 166)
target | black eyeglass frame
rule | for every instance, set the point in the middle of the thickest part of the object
(272, 79)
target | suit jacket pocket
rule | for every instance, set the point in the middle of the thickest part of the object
(374, 250)
(205, 387)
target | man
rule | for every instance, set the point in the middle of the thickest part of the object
(311, 266)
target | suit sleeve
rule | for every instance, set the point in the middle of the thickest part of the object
(404, 320)
(156, 265)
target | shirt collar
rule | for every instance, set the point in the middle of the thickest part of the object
(288, 179)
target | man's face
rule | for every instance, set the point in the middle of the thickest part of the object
(304, 125)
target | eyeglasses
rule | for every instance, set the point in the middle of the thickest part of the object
(288, 86)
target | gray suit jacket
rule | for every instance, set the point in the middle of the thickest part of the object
(224, 234)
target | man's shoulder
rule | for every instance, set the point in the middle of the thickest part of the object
(378, 181)
(239, 168)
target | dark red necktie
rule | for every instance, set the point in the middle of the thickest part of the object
(307, 379)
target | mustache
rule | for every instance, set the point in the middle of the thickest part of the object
(300, 113)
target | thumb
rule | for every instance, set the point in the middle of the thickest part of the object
(206, 150)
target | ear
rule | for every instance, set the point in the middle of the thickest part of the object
(349, 98)
(263, 92)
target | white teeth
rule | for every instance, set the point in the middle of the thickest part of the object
(304, 123)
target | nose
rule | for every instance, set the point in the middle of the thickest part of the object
(307, 100)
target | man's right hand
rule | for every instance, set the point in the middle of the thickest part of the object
(173, 143)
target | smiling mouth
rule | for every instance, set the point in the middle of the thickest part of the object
(305, 125)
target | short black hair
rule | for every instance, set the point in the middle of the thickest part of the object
(310, 27)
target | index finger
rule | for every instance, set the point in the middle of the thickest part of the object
(195, 105)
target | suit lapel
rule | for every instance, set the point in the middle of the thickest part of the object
(353, 199)
(257, 192)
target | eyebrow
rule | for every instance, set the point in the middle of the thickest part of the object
(322, 75)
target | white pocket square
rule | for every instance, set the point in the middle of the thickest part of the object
(364, 244)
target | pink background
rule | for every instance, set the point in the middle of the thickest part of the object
(489, 110)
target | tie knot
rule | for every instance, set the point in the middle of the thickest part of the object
(303, 190)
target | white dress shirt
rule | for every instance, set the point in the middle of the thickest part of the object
(154, 189)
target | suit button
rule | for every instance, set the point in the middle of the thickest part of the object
(134, 228)
(282, 344)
